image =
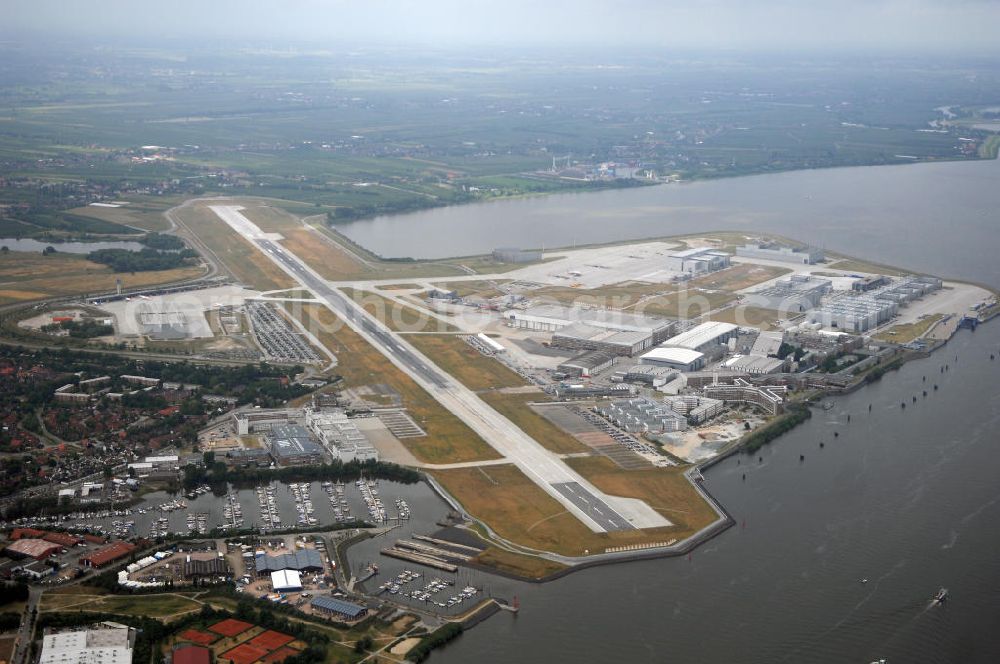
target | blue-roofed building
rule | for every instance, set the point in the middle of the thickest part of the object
(339, 608)
(303, 560)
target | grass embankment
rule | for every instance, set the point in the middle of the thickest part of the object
(765, 319)
(516, 409)
(397, 317)
(907, 332)
(242, 259)
(448, 439)
(31, 276)
(531, 567)
(519, 511)
(465, 363)
(855, 265)
(794, 415)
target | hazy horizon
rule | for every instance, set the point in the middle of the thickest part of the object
(914, 26)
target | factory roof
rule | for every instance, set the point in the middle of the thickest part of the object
(563, 315)
(701, 335)
(36, 548)
(291, 440)
(754, 363)
(286, 579)
(589, 332)
(348, 609)
(673, 355)
(300, 560)
(109, 553)
(105, 643)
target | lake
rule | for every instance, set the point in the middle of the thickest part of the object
(27, 244)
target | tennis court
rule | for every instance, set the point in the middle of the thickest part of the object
(244, 654)
(230, 627)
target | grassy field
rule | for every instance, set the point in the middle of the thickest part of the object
(466, 364)
(242, 259)
(165, 605)
(738, 277)
(516, 409)
(907, 332)
(765, 319)
(532, 567)
(484, 289)
(519, 511)
(643, 298)
(142, 212)
(448, 439)
(398, 317)
(687, 303)
(28, 276)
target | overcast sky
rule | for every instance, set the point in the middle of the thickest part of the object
(772, 25)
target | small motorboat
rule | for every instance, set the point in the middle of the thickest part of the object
(941, 595)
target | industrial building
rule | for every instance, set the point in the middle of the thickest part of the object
(797, 293)
(704, 336)
(642, 415)
(30, 547)
(696, 409)
(107, 555)
(292, 445)
(339, 608)
(701, 260)
(587, 364)
(755, 365)
(870, 282)
(651, 375)
(681, 359)
(554, 317)
(770, 398)
(515, 255)
(854, 313)
(263, 419)
(303, 560)
(286, 580)
(103, 643)
(248, 457)
(582, 336)
(774, 252)
(340, 435)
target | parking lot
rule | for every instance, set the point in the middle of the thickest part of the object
(277, 338)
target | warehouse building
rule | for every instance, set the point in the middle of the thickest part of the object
(680, 359)
(339, 608)
(774, 252)
(582, 336)
(292, 445)
(587, 364)
(651, 375)
(103, 643)
(107, 555)
(797, 293)
(701, 260)
(854, 313)
(554, 317)
(704, 336)
(264, 419)
(286, 581)
(30, 547)
(303, 560)
(755, 365)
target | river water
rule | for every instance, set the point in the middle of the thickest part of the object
(908, 498)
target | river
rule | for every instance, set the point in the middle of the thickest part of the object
(906, 498)
(906, 215)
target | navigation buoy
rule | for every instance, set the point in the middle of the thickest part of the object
(836, 434)
(902, 405)
(935, 387)
(802, 457)
(821, 444)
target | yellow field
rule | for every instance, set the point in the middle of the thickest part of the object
(765, 319)
(466, 364)
(448, 439)
(30, 276)
(907, 332)
(519, 511)
(738, 277)
(853, 265)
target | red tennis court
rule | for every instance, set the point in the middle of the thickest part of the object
(244, 654)
(197, 636)
(280, 655)
(230, 627)
(270, 640)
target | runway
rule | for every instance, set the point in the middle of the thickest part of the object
(547, 470)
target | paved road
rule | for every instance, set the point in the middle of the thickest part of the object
(341, 305)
